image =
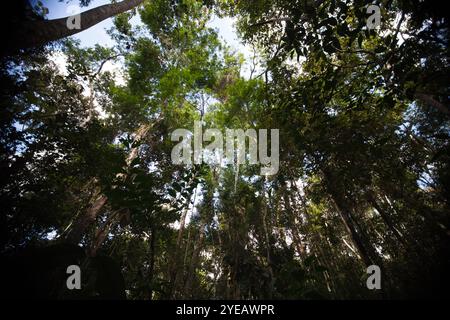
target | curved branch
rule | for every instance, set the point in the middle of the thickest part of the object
(36, 33)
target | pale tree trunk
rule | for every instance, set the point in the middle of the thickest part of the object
(35, 33)
(267, 240)
(176, 259)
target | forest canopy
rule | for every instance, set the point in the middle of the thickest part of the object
(363, 176)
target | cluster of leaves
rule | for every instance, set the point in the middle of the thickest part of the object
(364, 167)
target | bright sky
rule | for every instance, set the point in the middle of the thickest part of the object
(97, 33)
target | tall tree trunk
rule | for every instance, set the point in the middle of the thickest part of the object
(176, 259)
(35, 33)
(267, 241)
(81, 224)
(365, 249)
(293, 226)
(151, 269)
(386, 218)
(103, 231)
(194, 261)
(78, 228)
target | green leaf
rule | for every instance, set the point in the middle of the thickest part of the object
(172, 193)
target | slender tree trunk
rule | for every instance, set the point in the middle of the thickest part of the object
(194, 260)
(176, 259)
(35, 33)
(352, 229)
(151, 269)
(268, 245)
(365, 249)
(386, 218)
(321, 258)
(291, 218)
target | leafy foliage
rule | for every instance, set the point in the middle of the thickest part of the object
(364, 167)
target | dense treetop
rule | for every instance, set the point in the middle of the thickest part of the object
(364, 175)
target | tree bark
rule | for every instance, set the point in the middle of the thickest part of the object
(268, 244)
(386, 218)
(293, 226)
(103, 231)
(152, 263)
(35, 33)
(365, 249)
(78, 228)
(194, 262)
(176, 259)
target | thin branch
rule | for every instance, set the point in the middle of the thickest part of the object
(103, 63)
